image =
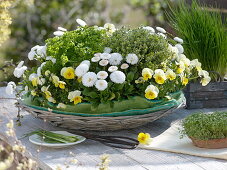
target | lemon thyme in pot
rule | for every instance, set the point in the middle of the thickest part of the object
(205, 126)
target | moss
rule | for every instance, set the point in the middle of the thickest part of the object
(205, 126)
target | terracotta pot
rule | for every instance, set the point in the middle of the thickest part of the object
(210, 144)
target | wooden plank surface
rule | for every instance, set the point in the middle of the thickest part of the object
(88, 153)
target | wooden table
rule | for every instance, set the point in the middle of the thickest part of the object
(88, 153)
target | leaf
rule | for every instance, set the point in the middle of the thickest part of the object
(130, 76)
(112, 96)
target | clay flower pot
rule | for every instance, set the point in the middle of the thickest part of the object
(210, 144)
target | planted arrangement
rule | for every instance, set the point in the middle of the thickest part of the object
(206, 130)
(98, 70)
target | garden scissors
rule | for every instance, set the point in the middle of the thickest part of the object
(112, 141)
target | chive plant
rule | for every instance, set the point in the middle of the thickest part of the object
(204, 34)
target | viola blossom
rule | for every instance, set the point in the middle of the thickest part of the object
(61, 105)
(205, 77)
(115, 59)
(105, 56)
(41, 81)
(160, 29)
(181, 67)
(112, 68)
(41, 51)
(179, 40)
(86, 62)
(184, 81)
(184, 59)
(162, 35)
(195, 63)
(117, 77)
(32, 53)
(103, 62)
(180, 48)
(124, 66)
(151, 92)
(55, 80)
(149, 29)
(132, 59)
(62, 29)
(75, 96)
(107, 50)
(81, 22)
(58, 33)
(173, 50)
(159, 76)
(101, 85)
(81, 70)
(34, 78)
(68, 73)
(147, 73)
(51, 59)
(96, 58)
(10, 88)
(102, 75)
(89, 79)
(170, 74)
(144, 138)
(19, 70)
(61, 84)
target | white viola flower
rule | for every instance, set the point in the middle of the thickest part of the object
(203, 73)
(62, 29)
(81, 70)
(43, 64)
(61, 105)
(149, 29)
(51, 59)
(41, 81)
(196, 63)
(41, 50)
(115, 59)
(97, 54)
(95, 59)
(58, 33)
(161, 34)
(205, 80)
(107, 50)
(117, 77)
(39, 71)
(160, 29)
(101, 85)
(103, 62)
(51, 99)
(89, 79)
(105, 56)
(184, 59)
(179, 40)
(31, 55)
(81, 22)
(132, 59)
(110, 27)
(32, 76)
(86, 62)
(102, 75)
(124, 66)
(112, 68)
(180, 48)
(19, 70)
(11, 86)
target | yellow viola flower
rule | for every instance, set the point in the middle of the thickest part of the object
(34, 78)
(68, 72)
(195, 63)
(170, 74)
(184, 81)
(75, 96)
(139, 80)
(62, 84)
(35, 81)
(147, 73)
(151, 92)
(44, 89)
(159, 76)
(144, 138)
(181, 67)
(55, 80)
(205, 80)
(51, 99)
(33, 93)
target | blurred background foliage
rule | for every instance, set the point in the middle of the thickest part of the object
(33, 21)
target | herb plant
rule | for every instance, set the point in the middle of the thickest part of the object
(204, 35)
(205, 126)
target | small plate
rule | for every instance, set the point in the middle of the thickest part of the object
(35, 139)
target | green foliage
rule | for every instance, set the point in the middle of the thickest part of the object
(204, 35)
(206, 126)
(76, 46)
(151, 49)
